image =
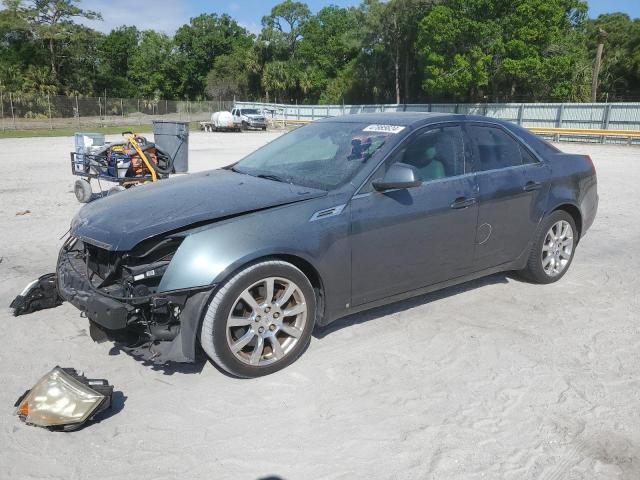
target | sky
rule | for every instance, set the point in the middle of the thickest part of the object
(168, 15)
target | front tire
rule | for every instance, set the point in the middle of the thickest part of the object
(260, 320)
(553, 249)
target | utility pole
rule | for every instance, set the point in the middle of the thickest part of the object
(602, 36)
(2, 106)
(13, 115)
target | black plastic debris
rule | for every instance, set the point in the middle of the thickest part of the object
(38, 295)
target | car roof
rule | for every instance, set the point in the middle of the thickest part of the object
(415, 119)
(393, 118)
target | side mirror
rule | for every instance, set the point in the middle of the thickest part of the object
(399, 175)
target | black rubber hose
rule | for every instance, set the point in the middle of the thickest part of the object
(164, 163)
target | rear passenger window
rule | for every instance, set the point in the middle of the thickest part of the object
(496, 149)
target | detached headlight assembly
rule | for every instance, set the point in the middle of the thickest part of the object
(64, 400)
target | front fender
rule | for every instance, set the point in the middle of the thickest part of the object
(207, 256)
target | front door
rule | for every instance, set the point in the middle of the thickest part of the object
(512, 191)
(406, 239)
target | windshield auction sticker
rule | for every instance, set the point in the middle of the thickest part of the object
(383, 128)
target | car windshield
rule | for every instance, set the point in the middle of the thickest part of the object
(320, 155)
(249, 111)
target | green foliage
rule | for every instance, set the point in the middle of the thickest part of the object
(330, 42)
(381, 51)
(233, 74)
(114, 62)
(20, 55)
(152, 65)
(620, 73)
(199, 44)
(491, 49)
(51, 21)
(283, 27)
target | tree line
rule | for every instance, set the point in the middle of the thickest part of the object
(399, 51)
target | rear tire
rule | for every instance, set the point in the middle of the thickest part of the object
(82, 189)
(553, 249)
(269, 331)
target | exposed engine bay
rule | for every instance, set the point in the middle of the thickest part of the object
(118, 292)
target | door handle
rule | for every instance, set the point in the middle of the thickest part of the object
(462, 202)
(531, 186)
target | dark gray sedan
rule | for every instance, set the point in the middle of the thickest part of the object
(335, 217)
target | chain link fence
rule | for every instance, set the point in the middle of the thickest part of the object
(29, 112)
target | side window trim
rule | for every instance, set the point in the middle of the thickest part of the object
(432, 126)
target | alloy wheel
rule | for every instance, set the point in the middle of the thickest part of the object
(557, 248)
(266, 321)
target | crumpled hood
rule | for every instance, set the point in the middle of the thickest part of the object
(121, 221)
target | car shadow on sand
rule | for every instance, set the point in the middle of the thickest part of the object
(402, 305)
(167, 368)
(171, 368)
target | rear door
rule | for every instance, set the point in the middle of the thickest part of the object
(512, 189)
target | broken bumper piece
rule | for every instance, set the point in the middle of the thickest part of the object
(38, 295)
(64, 400)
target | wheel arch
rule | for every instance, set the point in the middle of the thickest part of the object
(575, 213)
(192, 322)
(299, 261)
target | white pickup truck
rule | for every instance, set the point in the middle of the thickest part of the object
(249, 118)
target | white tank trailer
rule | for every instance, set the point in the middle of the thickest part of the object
(220, 121)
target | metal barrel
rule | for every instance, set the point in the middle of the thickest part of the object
(173, 139)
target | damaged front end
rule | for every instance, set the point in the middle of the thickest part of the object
(119, 294)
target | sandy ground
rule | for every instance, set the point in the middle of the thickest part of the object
(495, 379)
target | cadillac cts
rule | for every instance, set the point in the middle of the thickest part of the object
(335, 217)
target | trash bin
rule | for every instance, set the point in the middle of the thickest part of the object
(173, 139)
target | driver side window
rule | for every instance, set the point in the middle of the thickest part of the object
(436, 153)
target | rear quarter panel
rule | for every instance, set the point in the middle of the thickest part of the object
(574, 182)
